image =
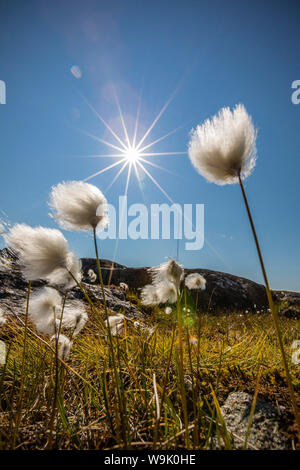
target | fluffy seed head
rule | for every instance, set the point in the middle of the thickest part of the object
(92, 275)
(195, 281)
(116, 323)
(45, 310)
(65, 346)
(62, 276)
(149, 295)
(159, 293)
(123, 286)
(74, 317)
(43, 252)
(79, 206)
(167, 271)
(168, 310)
(5, 262)
(3, 319)
(224, 146)
(167, 292)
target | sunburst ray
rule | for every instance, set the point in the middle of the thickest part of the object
(95, 137)
(104, 170)
(161, 154)
(113, 133)
(161, 138)
(122, 120)
(116, 176)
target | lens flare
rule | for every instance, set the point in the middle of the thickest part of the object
(132, 155)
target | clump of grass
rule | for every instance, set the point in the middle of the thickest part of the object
(233, 350)
(223, 150)
(158, 385)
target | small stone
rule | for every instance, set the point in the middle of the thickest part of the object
(264, 434)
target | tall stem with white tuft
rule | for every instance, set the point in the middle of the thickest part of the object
(20, 400)
(273, 309)
(116, 374)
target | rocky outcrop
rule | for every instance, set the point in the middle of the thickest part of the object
(223, 291)
(265, 430)
(13, 290)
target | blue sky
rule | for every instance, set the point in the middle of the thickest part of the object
(212, 54)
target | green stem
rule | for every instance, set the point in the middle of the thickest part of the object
(54, 406)
(181, 369)
(156, 430)
(19, 406)
(273, 310)
(99, 272)
(116, 374)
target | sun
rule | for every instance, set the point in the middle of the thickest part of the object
(132, 154)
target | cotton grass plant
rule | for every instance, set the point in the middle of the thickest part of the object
(143, 385)
(92, 275)
(45, 311)
(44, 254)
(223, 151)
(165, 288)
(81, 206)
(195, 281)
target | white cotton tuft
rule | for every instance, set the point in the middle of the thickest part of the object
(3, 318)
(43, 253)
(159, 293)
(74, 317)
(92, 275)
(5, 262)
(224, 146)
(149, 295)
(116, 323)
(65, 346)
(195, 281)
(165, 285)
(167, 271)
(62, 276)
(168, 310)
(167, 292)
(79, 206)
(45, 310)
(123, 286)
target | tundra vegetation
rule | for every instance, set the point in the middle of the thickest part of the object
(94, 379)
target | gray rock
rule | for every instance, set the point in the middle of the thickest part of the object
(13, 290)
(115, 299)
(224, 291)
(264, 434)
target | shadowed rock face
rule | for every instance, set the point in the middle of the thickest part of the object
(224, 291)
(13, 290)
(264, 434)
